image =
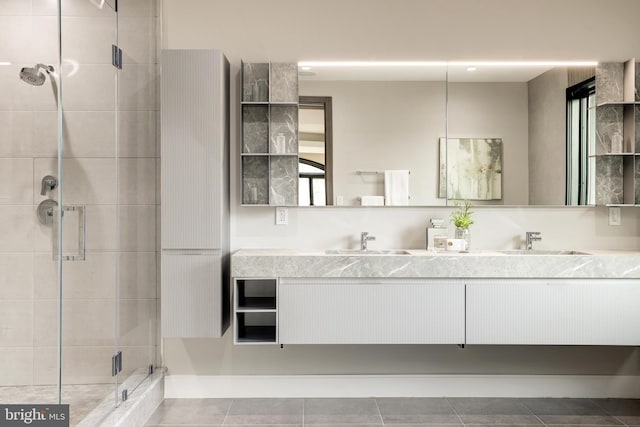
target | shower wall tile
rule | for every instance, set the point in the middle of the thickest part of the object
(137, 87)
(16, 133)
(137, 134)
(16, 366)
(44, 43)
(86, 181)
(138, 275)
(16, 95)
(88, 40)
(137, 8)
(44, 7)
(137, 40)
(91, 278)
(84, 8)
(16, 228)
(609, 82)
(284, 82)
(18, 30)
(137, 228)
(15, 321)
(84, 322)
(85, 365)
(16, 181)
(16, 276)
(137, 183)
(135, 328)
(15, 7)
(88, 87)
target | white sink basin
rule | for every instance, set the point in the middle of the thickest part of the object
(542, 252)
(367, 252)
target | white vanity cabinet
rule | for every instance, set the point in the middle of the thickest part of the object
(553, 312)
(371, 311)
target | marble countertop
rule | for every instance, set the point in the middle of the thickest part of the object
(265, 263)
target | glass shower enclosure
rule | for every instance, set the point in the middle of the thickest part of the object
(78, 156)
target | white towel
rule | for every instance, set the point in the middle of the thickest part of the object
(372, 200)
(396, 187)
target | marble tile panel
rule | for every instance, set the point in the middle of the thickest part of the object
(16, 228)
(284, 181)
(609, 82)
(255, 180)
(284, 120)
(137, 134)
(88, 40)
(637, 80)
(87, 87)
(136, 38)
(609, 180)
(255, 129)
(608, 121)
(637, 184)
(255, 82)
(637, 128)
(138, 87)
(284, 82)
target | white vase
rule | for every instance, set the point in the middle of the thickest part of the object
(463, 233)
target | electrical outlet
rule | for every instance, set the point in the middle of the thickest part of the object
(282, 216)
(614, 216)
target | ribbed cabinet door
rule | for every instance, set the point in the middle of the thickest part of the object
(370, 311)
(553, 312)
(192, 136)
(190, 304)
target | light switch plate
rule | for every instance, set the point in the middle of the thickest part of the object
(282, 216)
(614, 216)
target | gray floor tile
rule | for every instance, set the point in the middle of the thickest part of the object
(550, 406)
(341, 411)
(490, 406)
(191, 411)
(265, 411)
(599, 420)
(620, 407)
(417, 411)
(629, 420)
(500, 419)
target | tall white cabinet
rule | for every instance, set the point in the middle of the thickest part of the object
(195, 193)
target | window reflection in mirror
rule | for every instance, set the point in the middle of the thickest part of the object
(315, 151)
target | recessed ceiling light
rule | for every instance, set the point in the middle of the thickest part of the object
(5, 63)
(471, 69)
(305, 68)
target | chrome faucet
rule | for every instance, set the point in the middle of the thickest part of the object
(364, 239)
(533, 236)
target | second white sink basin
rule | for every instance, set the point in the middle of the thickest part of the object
(367, 252)
(542, 252)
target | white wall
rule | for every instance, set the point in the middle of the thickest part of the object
(406, 29)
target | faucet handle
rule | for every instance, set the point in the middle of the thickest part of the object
(48, 183)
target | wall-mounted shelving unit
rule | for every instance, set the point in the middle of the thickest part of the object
(255, 311)
(269, 134)
(618, 116)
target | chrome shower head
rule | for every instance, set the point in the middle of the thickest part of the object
(33, 76)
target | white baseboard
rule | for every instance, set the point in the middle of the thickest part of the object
(243, 386)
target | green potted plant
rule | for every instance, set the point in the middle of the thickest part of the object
(461, 218)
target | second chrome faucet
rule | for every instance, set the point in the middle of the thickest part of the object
(532, 236)
(364, 239)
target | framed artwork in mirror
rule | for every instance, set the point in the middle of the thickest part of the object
(470, 168)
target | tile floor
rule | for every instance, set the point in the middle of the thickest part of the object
(403, 412)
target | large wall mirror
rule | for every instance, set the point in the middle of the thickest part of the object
(493, 133)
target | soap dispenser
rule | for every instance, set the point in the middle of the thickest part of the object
(437, 235)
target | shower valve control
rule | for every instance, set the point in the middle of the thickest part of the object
(48, 184)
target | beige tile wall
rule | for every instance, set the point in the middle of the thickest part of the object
(97, 173)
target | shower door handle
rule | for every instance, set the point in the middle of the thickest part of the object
(69, 212)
